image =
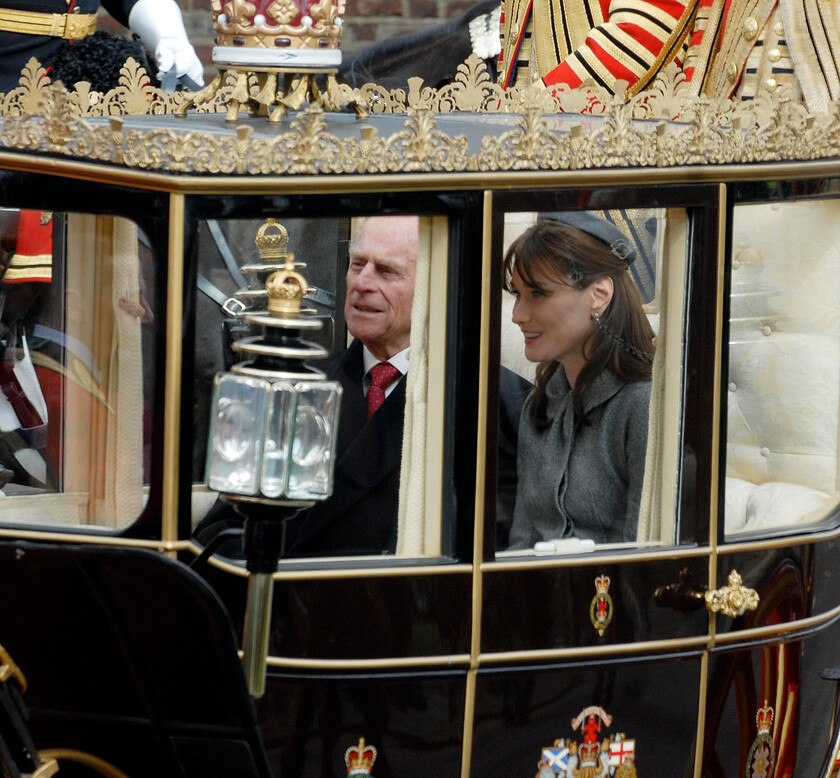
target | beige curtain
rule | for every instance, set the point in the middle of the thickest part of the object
(657, 509)
(124, 432)
(412, 511)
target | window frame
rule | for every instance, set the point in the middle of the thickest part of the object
(757, 193)
(463, 212)
(696, 465)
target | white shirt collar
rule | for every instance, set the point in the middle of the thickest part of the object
(398, 360)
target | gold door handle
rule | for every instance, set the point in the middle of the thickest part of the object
(733, 600)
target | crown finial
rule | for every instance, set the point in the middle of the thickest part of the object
(359, 759)
(272, 245)
(286, 289)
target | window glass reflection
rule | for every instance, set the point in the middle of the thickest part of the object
(784, 367)
(77, 368)
(583, 320)
(386, 493)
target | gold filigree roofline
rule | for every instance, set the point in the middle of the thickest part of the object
(508, 130)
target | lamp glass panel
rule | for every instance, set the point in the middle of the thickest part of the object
(236, 433)
(278, 432)
(313, 446)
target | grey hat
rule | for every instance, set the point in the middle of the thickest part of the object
(597, 227)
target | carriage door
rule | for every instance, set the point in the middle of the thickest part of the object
(590, 658)
(769, 706)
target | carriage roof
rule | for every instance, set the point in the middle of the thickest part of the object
(471, 130)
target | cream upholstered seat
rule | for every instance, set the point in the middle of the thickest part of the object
(784, 366)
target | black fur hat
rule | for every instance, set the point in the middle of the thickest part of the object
(97, 59)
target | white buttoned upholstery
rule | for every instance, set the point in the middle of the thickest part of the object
(784, 365)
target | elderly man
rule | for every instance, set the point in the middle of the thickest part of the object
(361, 516)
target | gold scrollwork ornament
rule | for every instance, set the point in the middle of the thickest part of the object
(732, 600)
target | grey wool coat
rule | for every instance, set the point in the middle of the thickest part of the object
(582, 478)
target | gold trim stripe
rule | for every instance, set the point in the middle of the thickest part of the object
(480, 479)
(720, 278)
(701, 715)
(8, 532)
(416, 182)
(786, 629)
(631, 10)
(361, 664)
(469, 717)
(174, 358)
(95, 763)
(835, 749)
(698, 55)
(28, 260)
(650, 646)
(19, 275)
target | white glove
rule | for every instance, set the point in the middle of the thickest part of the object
(161, 27)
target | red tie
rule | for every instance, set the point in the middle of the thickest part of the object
(381, 377)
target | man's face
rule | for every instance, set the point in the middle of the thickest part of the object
(380, 284)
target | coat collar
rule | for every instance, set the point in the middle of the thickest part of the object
(605, 386)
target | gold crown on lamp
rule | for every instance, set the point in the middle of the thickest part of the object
(359, 759)
(278, 33)
(286, 289)
(272, 240)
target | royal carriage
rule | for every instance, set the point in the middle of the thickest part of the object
(705, 647)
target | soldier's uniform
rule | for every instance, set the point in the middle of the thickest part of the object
(569, 41)
(39, 28)
(26, 272)
(725, 47)
(748, 46)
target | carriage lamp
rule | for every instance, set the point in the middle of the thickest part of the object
(272, 443)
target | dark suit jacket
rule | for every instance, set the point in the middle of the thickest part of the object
(361, 515)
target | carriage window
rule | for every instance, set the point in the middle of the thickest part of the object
(77, 312)
(370, 285)
(784, 367)
(583, 448)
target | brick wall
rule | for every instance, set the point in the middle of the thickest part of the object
(366, 21)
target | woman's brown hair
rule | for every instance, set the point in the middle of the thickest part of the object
(623, 340)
